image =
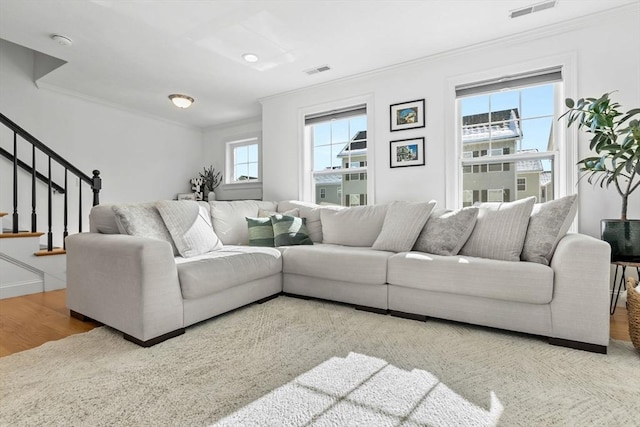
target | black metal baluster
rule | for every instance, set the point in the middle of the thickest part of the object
(34, 218)
(15, 183)
(80, 206)
(96, 186)
(66, 191)
(50, 206)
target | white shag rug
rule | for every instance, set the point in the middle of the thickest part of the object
(291, 362)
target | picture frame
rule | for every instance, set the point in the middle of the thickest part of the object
(407, 115)
(406, 152)
(187, 196)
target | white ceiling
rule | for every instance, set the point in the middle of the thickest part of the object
(134, 53)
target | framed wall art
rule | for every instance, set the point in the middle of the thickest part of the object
(407, 152)
(407, 115)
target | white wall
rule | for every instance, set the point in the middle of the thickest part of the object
(140, 158)
(603, 65)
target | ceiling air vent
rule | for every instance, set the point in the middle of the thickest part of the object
(533, 8)
(317, 70)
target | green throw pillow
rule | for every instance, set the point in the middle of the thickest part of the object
(260, 232)
(290, 230)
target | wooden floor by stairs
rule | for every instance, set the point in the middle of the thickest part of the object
(31, 320)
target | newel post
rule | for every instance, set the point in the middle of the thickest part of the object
(96, 186)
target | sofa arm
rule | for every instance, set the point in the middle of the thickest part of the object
(126, 282)
(579, 308)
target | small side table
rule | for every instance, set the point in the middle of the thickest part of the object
(620, 283)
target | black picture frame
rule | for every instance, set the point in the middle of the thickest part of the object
(406, 152)
(407, 115)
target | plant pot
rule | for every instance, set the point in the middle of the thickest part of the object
(211, 196)
(624, 238)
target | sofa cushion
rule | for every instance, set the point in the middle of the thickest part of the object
(266, 214)
(509, 281)
(500, 230)
(355, 226)
(336, 262)
(228, 219)
(143, 220)
(289, 230)
(223, 269)
(260, 232)
(447, 231)
(549, 222)
(308, 211)
(190, 227)
(402, 225)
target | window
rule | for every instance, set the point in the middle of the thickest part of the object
(506, 136)
(243, 161)
(521, 184)
(337, 144)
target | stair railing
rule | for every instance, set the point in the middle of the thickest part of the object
(95, 182)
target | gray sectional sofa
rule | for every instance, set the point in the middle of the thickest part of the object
(128, 272)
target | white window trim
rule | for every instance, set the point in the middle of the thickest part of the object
(229, 160)
(566, 173)
(524, 183)
(306, 190)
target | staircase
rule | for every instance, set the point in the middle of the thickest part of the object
(26, 264)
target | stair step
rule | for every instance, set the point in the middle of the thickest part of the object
(54, 251)
(3, 214)
(21, 234)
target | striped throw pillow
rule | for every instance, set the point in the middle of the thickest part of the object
(260, 232)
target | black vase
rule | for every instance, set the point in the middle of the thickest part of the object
(624, 238)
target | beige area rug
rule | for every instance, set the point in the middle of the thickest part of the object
(243, 367)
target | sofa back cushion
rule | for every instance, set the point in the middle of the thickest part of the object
(500, 230)
(355, 226)
(549, 222)
(142, 220)
(310, 212)
(447, 231)
(402, 225)
(190, 227)
(229, 219)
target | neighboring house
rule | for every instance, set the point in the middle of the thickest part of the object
(354, 185)
(346, 189)
(500, 182)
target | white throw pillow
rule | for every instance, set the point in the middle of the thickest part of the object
(310, 212)
(190, 227)
(355, 226)
(402, 225)
(500, 230)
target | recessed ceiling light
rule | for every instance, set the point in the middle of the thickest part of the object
(250, 57)
(62, 40)
(181, 101)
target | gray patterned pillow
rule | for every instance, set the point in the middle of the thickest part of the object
(500, 230)
(402, 225)
(289, 230)
(190, 227)
(142, 220)
(447, 231)
(549, 222)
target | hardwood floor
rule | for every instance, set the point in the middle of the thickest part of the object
(31, 320)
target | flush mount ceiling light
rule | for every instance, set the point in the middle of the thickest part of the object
(250, 57)
(61, 40)
(181, 101)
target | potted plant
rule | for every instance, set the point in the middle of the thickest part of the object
(616, 141)
(212, 180)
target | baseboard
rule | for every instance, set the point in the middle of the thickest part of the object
(17, 289)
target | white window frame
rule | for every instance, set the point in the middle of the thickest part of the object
(495, 191)
(306, 189)
(230, 147)
(323, 193)
(565, 172)
(524, 179)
